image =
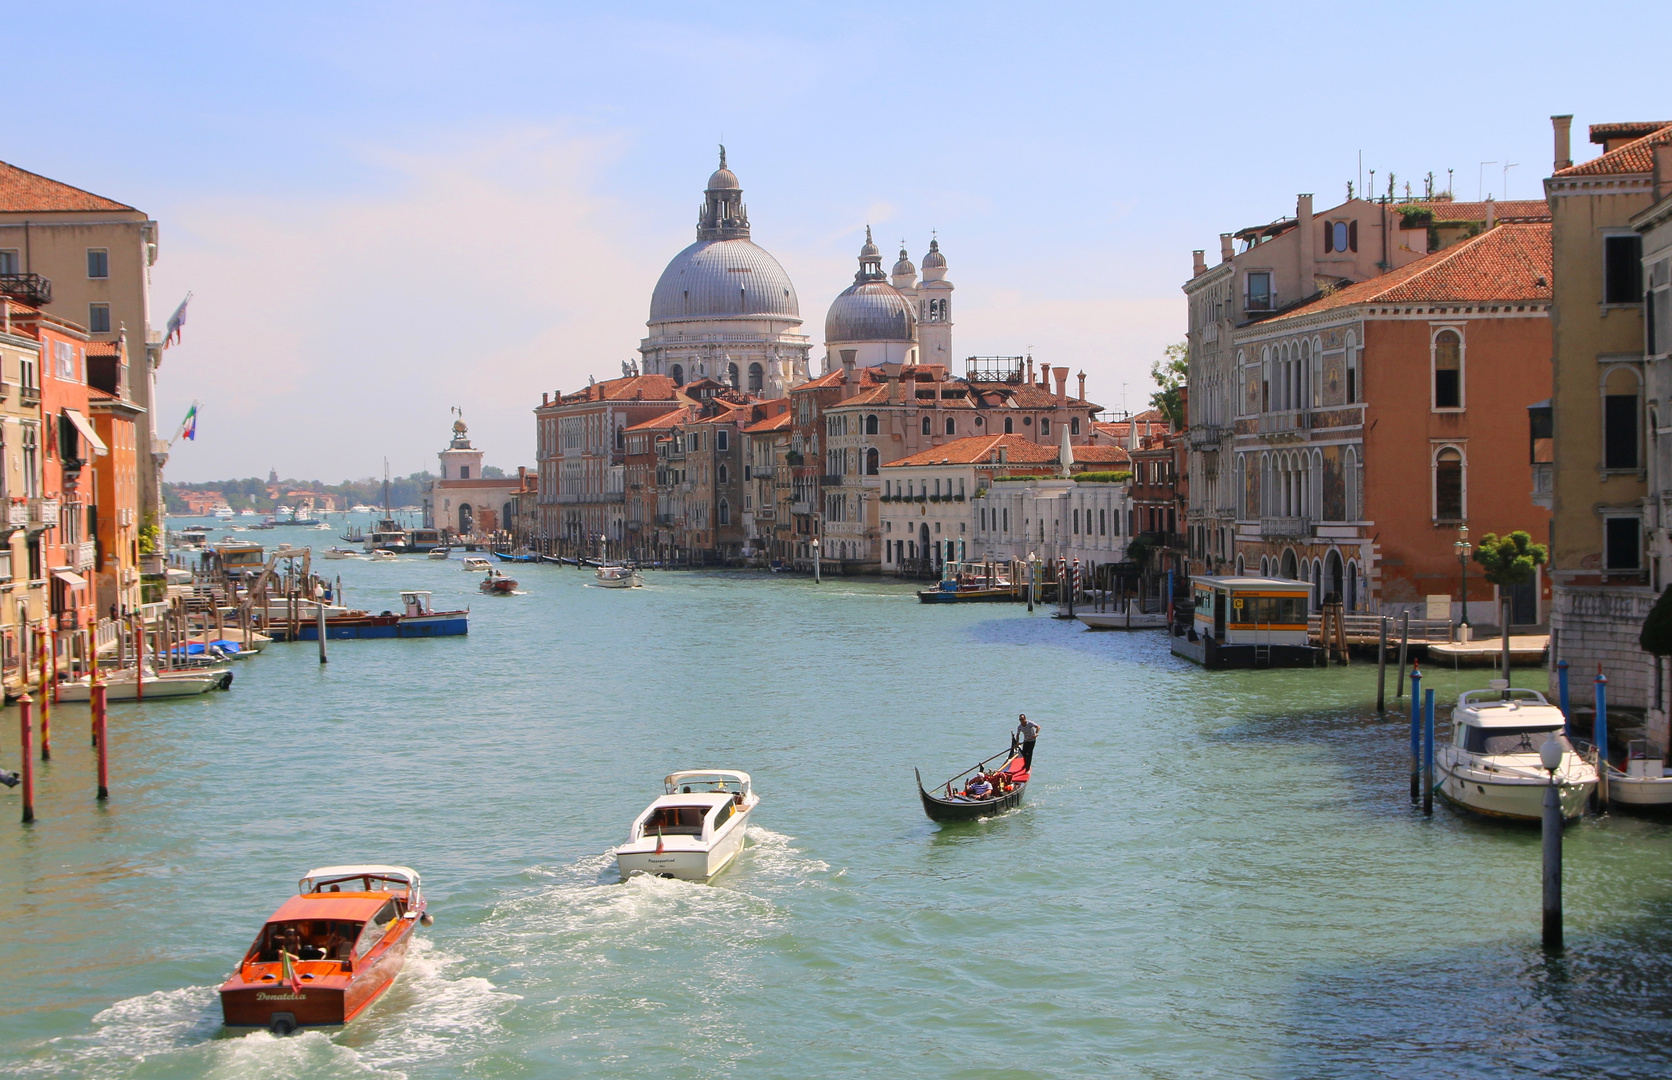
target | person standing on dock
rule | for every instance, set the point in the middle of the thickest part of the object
(1026, 732)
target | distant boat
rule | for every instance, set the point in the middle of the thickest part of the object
(476, 564)
(520, 555)
(497, 584)
(438, 553)
(340, 553)
(619, 577)
(951, 802)
(246, 512)
(382, 555)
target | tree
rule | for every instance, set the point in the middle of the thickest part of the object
(1510, 560)
(1170, 375)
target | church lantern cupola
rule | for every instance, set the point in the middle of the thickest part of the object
(724, 217)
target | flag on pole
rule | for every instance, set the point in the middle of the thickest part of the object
(287, 969)
(188, 426)
(175, 322)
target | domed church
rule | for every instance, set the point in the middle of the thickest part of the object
(893, 319)
(724, 309)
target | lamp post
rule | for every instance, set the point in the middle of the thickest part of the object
(1550, 756)
(1033, 578)
(815, 560)
(603, 548)
(1463, 548)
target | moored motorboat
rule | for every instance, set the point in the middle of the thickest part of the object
(475, 564)
(979, 792)
(1491, 765)
(1644, 784)
(619, 577)
(340, 553)
(121, 685)
(497, 584)
(1123, 620)
(329, 951)
(520, 555)
(693, 831)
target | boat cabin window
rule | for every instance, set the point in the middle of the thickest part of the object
(723, 815)
(359, 883)
(676, 820)
(375, 929)
(1498, 740)
(1281, 610)
(310, 939)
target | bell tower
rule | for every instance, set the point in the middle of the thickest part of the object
(460, 461)
(934, 309)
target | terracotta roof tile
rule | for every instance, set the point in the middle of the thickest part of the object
(782, 422)
(22, 191)
(1633, 157)
(979, 449)
(667, 420)
(1602, 133)
(1101, 454)
(1502, 210)
(1510, 263)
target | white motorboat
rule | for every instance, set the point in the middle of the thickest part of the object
(122, 686)
(476, 564)
(438, 553)
(340, 553)
(1491, 765)
(1644, 783)
(619, 577)
(246, 513)
(1123, 620)
(382, 555)
(694, 831)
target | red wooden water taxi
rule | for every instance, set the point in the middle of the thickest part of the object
(329, 951)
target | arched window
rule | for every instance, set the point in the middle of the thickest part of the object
(725, 512)
(1240, 567)
(1009, 426)
(678, 374)
(1074, 426)
(1290, 570)
(1352, 368)
(871, 424)
(1332, 575)
(1352, 586)
(467, 520)
(724, 474)
(731, 375)
(1265, 566)
(620, 438)
(872, 460)
(1044, 427)
(757, 378)
(1448, 370)
(926, 428)
(1448, 485)
(951, 426)
(1351, 510)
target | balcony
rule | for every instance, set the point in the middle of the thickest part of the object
(86, 555)
(1285, 526)
(1287, 420)
(17, 514)
(831, 480)
(1544, 485)
(1206, 435)
(43, 512)
(33, 288)
(801, 506)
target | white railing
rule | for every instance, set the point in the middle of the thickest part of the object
(43, 511)
(1285, 526)
(87, 554)
(105, 635)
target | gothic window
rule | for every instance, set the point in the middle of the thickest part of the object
(1448, 485)
(725, 512)
(871, 461)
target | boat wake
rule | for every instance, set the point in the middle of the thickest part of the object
(772, 855)
(427, 1015)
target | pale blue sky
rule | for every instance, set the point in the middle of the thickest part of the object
(388, 209)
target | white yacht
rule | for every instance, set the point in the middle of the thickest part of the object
(692, 832)
(1491, 765)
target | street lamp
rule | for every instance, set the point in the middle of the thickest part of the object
(815, 560)
(603, 548)
(1463, 547)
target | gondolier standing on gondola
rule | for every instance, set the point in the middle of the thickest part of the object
(1026, 732)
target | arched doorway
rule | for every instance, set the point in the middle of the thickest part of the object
(1332, 576)
(1290, 570)
(923, 540)
(467, 520)
(1352, 586)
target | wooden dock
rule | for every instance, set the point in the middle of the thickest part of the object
(1524, 649)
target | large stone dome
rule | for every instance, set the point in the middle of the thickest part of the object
(871, 311)
(719, 278)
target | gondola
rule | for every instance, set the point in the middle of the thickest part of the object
(944, 807)
(516, 556)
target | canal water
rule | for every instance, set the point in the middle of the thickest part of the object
(1214, 874)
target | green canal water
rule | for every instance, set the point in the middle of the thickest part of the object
(1214, 874)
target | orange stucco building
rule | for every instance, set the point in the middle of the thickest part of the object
(1378, 419)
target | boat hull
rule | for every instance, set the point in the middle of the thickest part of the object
(1105, 620)
(1499, 797)
(688, 862)
(166, 686)
(325, 1001)
(967, 596)
(1643, 792)
(961, 810)
(441, 624)
(625, 581)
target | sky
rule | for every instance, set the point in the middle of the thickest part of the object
(384, 211)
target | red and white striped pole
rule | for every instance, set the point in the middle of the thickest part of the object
(26, 738)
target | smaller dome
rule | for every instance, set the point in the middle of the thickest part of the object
(871, 311)
(723, 179)
(904, 268)
(934, 260)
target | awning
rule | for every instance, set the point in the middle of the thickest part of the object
(70, 578)
(87, 431)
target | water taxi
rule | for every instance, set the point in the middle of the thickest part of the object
(329, 951)
(340, 553)
(475, 564)
(973, 582)
(497, 584)
(382, 555)
(1491, 765)
(694, 831)
(1248, 622)
(618, 577)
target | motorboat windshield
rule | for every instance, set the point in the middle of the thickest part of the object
(370, 877)
(1501, 741)
(707, 780)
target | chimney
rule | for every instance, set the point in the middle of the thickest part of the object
(1082, 386)
(850, 385)
(894, 388)
(1226, 251)
(1062, 386)
(1201, 264)
(545, 399)
(1491, 212)
(1030, 370)
(1563, 127)
(1045, 377)
(1663, 174)
(1308, 248)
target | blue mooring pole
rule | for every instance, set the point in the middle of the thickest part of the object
(1416, 729)
(1562, 693)
(1428, 752)
(1602, 739)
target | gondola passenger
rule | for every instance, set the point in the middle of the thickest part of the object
(979, 788)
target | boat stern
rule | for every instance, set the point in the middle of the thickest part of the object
(255, 996)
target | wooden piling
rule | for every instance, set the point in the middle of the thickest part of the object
(26, 739)
(46, 703)
(1404, 646)
(322, 658)
(1416, 731)
(1551, 821)
(101, 734)
(1428, 752)
(1382, 664)
(139, 658)
(1504, 606)
(1601, 737)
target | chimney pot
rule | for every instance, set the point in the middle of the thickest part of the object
(1200, 263)
(1663, 172)
(1030, 370)
(1082, 386)
(1562, 126)
(1062, 386)
(1226, 250)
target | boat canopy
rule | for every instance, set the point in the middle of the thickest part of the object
(713, 779)
(326, 875)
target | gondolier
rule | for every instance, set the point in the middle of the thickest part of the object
(1026, 732)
